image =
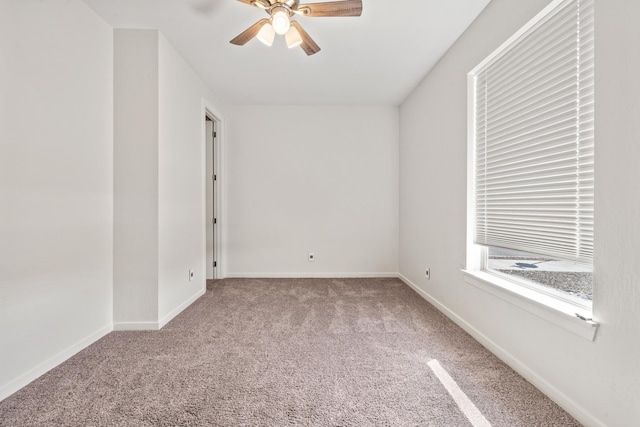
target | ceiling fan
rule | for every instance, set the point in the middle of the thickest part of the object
(280, 22)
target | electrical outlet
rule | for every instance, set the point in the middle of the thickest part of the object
(191, 275)
(312, 257)
(427, 273)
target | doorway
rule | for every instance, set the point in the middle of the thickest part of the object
(212, 196)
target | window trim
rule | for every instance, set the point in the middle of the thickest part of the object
(554, 310)
(559, 311)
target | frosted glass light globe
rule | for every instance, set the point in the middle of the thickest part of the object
(267, 34)
(293, 38)
(280, 21)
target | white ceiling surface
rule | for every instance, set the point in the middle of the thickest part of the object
(375, 59)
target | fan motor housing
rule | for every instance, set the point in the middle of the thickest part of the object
(270, 4)
(290, 4)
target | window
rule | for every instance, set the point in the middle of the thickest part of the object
(532, 156)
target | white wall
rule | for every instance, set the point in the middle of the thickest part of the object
(613, 364)
(56, 189)
(311, 179)
(598, 382)
(182, 176)
(136, 130)
(160, 181)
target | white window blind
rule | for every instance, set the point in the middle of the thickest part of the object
(534, 138)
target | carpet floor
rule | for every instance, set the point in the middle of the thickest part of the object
(288, 352)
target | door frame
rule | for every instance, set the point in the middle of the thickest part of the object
(218, 196)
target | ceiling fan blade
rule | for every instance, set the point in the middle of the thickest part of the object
(249, 33)
(308, 45)
(332, 8)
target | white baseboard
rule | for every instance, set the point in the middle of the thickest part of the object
(156, 326)
(166, 319)
(309, 275)
(576, 411)
(8, 389)
(136, 326)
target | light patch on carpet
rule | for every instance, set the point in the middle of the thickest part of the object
(464, 403)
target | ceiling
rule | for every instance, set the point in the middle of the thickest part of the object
(375, 59)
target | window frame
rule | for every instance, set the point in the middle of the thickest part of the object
(585, 307)
(569, 313)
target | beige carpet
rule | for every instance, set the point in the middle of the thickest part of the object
(286, 352)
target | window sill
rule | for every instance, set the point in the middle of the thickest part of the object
(558, 312)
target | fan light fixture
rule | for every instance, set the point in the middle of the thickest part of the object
(280, 20)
